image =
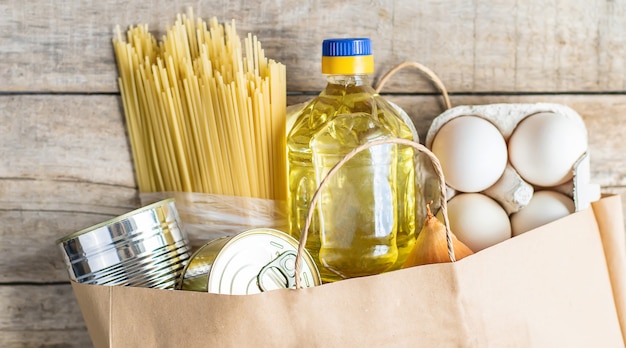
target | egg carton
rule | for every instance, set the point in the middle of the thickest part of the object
(511, 190)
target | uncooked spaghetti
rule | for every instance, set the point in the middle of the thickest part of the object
(202, 116)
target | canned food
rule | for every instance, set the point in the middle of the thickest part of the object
(251, 262)
(146, 247)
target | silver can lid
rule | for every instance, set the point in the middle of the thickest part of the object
(259, 260)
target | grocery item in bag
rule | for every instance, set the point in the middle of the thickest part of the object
(146, 247)
(366, 220)
(250, 262)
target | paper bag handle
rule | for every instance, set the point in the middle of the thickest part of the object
(423, 69)
(417, 146)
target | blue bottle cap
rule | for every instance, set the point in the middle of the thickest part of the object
(346, 47)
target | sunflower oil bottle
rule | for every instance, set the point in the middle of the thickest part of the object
(365, 222)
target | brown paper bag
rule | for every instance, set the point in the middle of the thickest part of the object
(560, 285)
(550, 287)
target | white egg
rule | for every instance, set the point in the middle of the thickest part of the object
(544, 207)
(544, 147)
(472, 153)
(478, 221)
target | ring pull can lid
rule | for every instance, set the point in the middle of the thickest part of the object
(279, 273)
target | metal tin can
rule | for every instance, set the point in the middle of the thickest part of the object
(146, 247)
(251, 262)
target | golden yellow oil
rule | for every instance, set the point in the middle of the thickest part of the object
(365, 222)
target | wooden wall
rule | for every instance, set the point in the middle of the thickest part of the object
(65, 162)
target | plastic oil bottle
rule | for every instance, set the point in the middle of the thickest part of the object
(365, 221)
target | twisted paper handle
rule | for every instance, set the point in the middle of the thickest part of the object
(429, 73)
(417, 146)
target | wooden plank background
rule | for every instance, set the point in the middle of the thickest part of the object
(65, 162)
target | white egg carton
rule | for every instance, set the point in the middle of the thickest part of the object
(511, 190)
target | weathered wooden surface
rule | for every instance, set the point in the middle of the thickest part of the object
(64, 156)
(41, 316)
(483, 45)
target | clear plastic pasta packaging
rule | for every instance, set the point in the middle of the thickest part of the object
(527, 164)
(206, 216)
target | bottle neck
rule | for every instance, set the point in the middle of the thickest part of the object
(348, 80)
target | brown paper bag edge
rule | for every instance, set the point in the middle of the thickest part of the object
(608, 212)
(95, 305)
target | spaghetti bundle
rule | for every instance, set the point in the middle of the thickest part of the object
(201, 115)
